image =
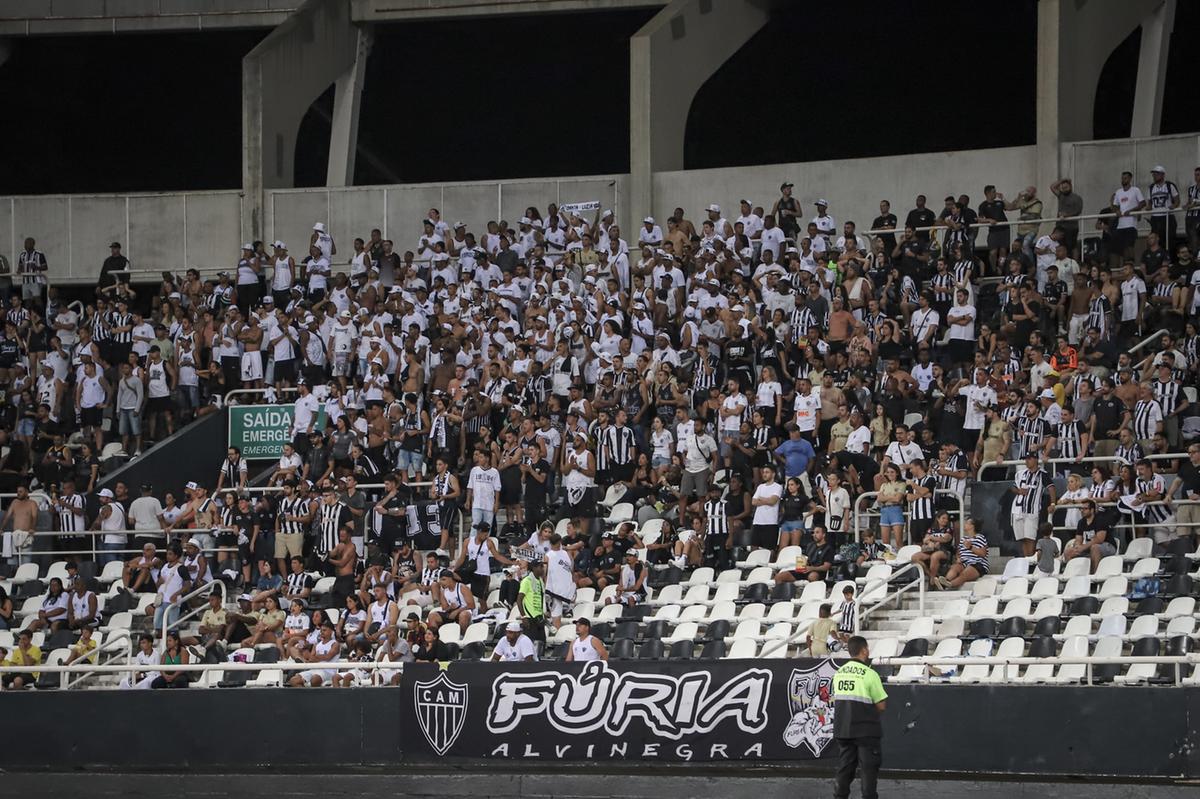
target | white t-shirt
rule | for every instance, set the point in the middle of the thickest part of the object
(767, 514)
(485, 483)
(906, 454)
(1126, 200)
(806, 407)
(510, 653)
(962, 332)
(304, 413)
(143, 513)
(735, 402)
(977, 395)
(856, 439)
(1130, 289)
(765, 397)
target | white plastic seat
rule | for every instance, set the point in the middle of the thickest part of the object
(729, 576)
(478, 632)
(665, 613)
(810, 612)
(58, 569)
(652, 531)
(607, 593)
(754, 610)
(741, 649)
(270, 678)
(1142, 627)
(1076, 567)
(1016, 567)
(564, 634)
(1044, 588)
(1181, 625)
(621, 512)
(984, 587)
(1076, 587)
(6, 639)
(724, 610)
(324, 585)
(1009, 648)
(955, 607)
(1113, 586)
(1114, 606)
(1137, 673)
(25, 572)
(952, 627)
(873, 592)
(561, 526)
(1037, 673)
(1139, 548)
(1077, 626)
(613, 495)
(1015, 587)
(787, 558)
(585, 595)
(450, 633)
(758, 557)
(111, 572)
(727, 592)
(583, 610)
(836, 593)
(751, 628)
(920, 627)
(880, 571)
(774, 649)
(1114, 625)
(986, 608)
(687, 631)
(1109, 647)
(781, 611)
(885, 648)
(778, 630)
(669, 595)
(1075, 646)
(1108, 567)
(610, 613)
(1051, 606)
(1021, 607)
(333, 614)
(1179, 606)
(701, 576)
(696, 613)
(111, 450)
(31, 606)
(760, 574)
(210, 678)
(696, 595)
(906, 553)
(1146, 567)
(813, 592)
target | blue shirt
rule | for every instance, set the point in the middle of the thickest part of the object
(797, 455)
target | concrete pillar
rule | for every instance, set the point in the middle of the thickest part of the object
(347, 100)
(670, 58)
(1152, 70)
(5, 50)
(1048, 130)
(281, 78)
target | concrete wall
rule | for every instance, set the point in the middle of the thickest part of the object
(853, 187)
(63, 17)
(1096, 166)
(201, 229)
(398, 210)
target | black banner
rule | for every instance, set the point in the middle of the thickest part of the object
(677, 711)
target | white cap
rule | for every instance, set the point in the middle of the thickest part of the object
(191, 485)
(747, 252)
(1047, 393)
(105, 492)
(822, 201)
(714, 207)
(738, 308)
(648, 220)
(459, 224)
(191, 542)
(1159, 168)
(526, 220)
(319, 227)
(513, 627)
(279, 245)
(607, 213)
(249, 247)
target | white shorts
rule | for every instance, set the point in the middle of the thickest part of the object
(341, 364)
(557, 608)
(686, 535)
(252, 366)
(326, 675)
(1025, 526)
(421, 600)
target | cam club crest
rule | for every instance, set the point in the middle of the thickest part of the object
(810, 702)
(441, 707)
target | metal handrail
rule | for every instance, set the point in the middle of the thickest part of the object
(238, 391)
(1038, 221)
(1149, 339)
(899, 592)
(1020, 461)
(125, 654)
(202, 590)
(991, 660)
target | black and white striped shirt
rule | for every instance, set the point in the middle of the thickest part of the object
(1069, 443)
(603, 458)
(955, 463)
(718, 520)
(1154, 513)
(1167, 395)
(922, 508)
(760, 437)
(31, 266)
(703, 379)
(1131, 454)
(1035, 483)
(846, 622)
(622, 446)
(122, 320)
(233, 471)
(1032, 432)
(295, 506)
(1099, 312)
(68, 521)
(329, 519)
(1146, 416)
(802, 319)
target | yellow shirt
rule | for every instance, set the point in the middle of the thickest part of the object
(274, 619)
(32, 657)
(213, 618)
(85, 650)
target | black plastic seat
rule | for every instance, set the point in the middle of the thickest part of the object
(713, 650)
(717, 630)
(603, 630)
(1176, 564)
(1178, 546)
(560, 651)
(682, 650)
(622, 649)
(1178, 645)
(915, 648)
(473, 651)
(1151, 604)
(1179, 585)
(1085, 606)
(1012, 628)
(651, 649)
(1047, 625)
(60, 639)
(670, 576)
(783, 592)
(637, 613)
(983, 628)
(659, 628)
(756, 592)
(1043, 647)
(452, 651)
(627, 630)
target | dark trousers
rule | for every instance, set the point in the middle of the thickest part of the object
(857, 754)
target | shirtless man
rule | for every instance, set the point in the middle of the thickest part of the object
(343, 558)
(23, 513)
(142, 570)
(1081, 299)
(251, 336)
(377, 432)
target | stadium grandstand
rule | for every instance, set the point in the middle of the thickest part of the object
(664, 419)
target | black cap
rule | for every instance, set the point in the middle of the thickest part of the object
(584, 622)
(115, 244)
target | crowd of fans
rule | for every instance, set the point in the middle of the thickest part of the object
(740, 379)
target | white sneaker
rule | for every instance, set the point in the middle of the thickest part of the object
(441, 553)
(679, 561)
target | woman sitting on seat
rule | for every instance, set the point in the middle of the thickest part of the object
(971, 561)
(937, 548)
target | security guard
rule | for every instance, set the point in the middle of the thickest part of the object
(858, 699)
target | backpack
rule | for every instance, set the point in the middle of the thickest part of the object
(1145, 587)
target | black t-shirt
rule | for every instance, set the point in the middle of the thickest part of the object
(244, 522)
(1107, 413)
(535, 492)
(819, 554)
(1153, 260)
(920, 217)
(889, 239)
(1089, 529)
(391, 527)
(994, 209)
(1189, 476)
(1054, 291)
(606, 561)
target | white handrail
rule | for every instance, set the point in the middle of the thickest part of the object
(1058, 660)
(1013, 222)
(167, 625)
(899, 592)
(1020, 461)
(124, 655)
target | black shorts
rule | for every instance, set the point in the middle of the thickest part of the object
(766, 535)
(159, 405)
(970, 437)
(479, 585)
(1123, 238)
(286, 370)
(91, 417)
